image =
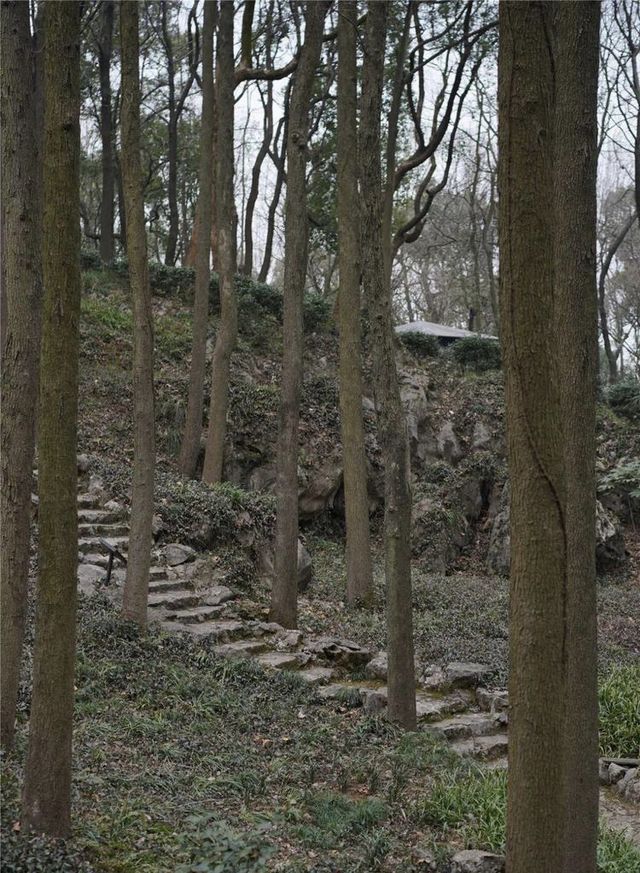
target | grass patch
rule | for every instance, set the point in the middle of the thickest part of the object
(616, 854)
(334, 816)
(620, 712)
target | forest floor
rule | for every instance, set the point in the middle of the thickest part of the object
(187, 761)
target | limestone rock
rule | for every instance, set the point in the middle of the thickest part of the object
(83, 463)
(609, 539)
(448, 445)
(88, 577)
(499, 552)
(374, 701)
(318, 487)
(177, 553)
(305, 564)
(157, 526)
(344, 653)
(492, 701)
(377, 667)
(477, 861)
(629, 785)
(465, 674)
(481, 439)
(616, 773)
(217, 595)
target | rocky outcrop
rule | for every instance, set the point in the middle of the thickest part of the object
(305, 564)
(610, 549)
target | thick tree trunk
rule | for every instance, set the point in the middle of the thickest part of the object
(47, 786)
(105, 45)
(22, 296)
(284, 595)
(391, 419)
(193, 424)
(359, 569)
(226, 250)
(539, 522)
(576, 122)
(136, 587)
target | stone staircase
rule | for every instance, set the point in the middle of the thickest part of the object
(452, 702)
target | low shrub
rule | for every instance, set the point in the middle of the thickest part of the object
(316, 311)
(214, 847)
(422, 345)
(624, 398)
(477, 353)
(203, 515)
(90, 260)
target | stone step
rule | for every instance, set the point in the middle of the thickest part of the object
(180, 599)
(100, 516)
(487, 748)
(90, 545)
(466, 725)
(162, 585)
(88, 501)
(279, 660)
(317, 675)
(241, 648)
(158, 573)
(195, 614)
(107, 530)
(432, 707)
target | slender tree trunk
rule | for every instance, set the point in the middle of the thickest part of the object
(576, 127)
(47, 786)
(536, 803)
(611, 354)
(136, 587)
(22, 294)
(263, 275)
(226, 250)
(359, 569)
(247, 266)
(105, 45)
(193, 425)
(172, 153)
(284, 595)
(391, 419)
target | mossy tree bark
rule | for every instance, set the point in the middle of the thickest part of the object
(284, 595)
(190, 448)
(22, 292)
(136, 587)
(576, 46)
(391, 418)
(226, 250)
(47, 786)
(358, 552)
(547, 86)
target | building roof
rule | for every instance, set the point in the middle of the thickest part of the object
(440, 330)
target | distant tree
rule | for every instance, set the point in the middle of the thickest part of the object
(105, 51)
(391, 418)
(359, 568)
(284, 595)
(47, 785)
(226, 251)
(190, 448)
(22, 293)
(136, 587)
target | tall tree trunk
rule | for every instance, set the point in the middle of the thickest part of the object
(172, 153)
(136, 586)
(284, 594)
(247, 266)
(359, 569)
(576, 125)
(536, 805)
(391, 419)
(105, 46)
(22, 295)
(226, 250)
(47, 786)
(193, 424)
(610, 352)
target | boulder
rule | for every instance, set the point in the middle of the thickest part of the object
(466, 674)
(318, 487)
(447, 443)
(422, 443)
(499, 552)
(262, 478)
(176, 553)
(344, 653)
(305, 564)
(477, 861)
(83, 464)
(481, 439)
(377, 667)
(89, 575)
(216, 595)
(629, 785)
